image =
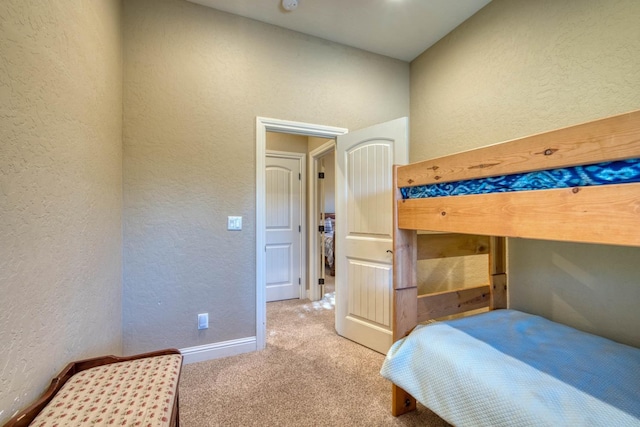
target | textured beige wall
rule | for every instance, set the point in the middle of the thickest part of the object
(60, 190)
(315, 142)
(330, 172)
(519, 67)
(286, 142)
(195, 80)
(330, 182)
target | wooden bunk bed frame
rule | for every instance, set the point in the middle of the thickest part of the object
(606, 214)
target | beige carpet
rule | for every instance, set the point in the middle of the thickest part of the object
(307, 376)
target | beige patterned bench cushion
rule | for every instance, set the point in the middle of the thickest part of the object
(138, 392)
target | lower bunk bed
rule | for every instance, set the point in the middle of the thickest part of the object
(505, 367)
(508, 368)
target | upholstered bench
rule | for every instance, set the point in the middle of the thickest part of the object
(140, 390)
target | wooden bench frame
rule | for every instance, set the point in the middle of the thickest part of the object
(27, 415)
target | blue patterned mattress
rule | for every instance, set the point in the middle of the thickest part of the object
(617, 172)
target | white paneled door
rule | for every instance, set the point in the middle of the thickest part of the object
(283, 228)
(364, 231)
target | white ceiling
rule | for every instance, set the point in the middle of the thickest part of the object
(401, 29)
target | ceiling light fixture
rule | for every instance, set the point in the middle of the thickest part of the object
(289, 4)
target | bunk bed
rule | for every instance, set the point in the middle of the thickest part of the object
(504, 367)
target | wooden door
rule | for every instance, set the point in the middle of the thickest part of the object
(283, 228)
(364, 231)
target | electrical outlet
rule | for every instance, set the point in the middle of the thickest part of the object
(203, 321)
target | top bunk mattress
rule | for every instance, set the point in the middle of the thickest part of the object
(618, 172)
(505, 368)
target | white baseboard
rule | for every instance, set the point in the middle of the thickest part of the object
(217, 350)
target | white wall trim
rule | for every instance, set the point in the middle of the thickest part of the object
(218, 350)
(264, 125)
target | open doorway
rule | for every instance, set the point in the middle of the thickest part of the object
(314, 271)
(322, 217)
(263, 127)
(362, 192)
(326, 184)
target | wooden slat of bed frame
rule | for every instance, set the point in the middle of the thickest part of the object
(405, 296)
(447, 303)
(404, 249)
(498, 283)
(402, 402)
(581, 214)
(404, 253)
(497, 255)
(434, 246)
(612, 138)
(498, 272)
(405, 316)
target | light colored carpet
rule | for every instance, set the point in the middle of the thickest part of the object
(307, 376)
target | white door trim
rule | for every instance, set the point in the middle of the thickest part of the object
(301, 157)
(314, 221)
(264, 125)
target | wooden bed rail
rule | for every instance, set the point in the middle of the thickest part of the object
(604, 140)
(463, 299)
(580, 214)
(446, 245)
(447, 303)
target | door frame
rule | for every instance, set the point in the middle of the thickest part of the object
(314, 221)
(264, 125)
(301, 158)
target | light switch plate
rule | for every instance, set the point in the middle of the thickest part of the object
(234, 223)
(203, 321)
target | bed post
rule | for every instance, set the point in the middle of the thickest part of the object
(498, 273)
(405, 293)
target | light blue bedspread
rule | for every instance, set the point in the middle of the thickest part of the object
(508, 368)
